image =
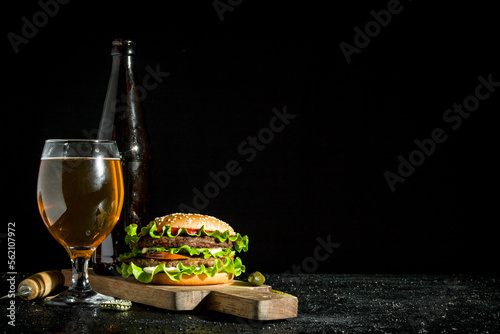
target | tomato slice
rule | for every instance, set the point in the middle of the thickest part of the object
(164, 256)
(174, 230)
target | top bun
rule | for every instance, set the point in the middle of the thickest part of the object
(194, 221)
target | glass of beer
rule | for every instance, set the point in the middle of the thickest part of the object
(80, 197)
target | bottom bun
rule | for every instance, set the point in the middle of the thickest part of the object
(219, 278)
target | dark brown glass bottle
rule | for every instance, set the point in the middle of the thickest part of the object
(123, 121)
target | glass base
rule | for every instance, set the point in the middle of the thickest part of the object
(70, 298)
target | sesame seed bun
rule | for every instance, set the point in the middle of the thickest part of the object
(193, 221)
(219, 278)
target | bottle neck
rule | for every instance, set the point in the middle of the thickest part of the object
(123, 54)
(128, 66)
(129, 111)
(122, 118)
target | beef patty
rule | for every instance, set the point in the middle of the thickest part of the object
(193, 242)
(196, 261)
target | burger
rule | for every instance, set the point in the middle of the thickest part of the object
(183, 249)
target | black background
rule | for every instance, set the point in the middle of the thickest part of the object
(323, 175)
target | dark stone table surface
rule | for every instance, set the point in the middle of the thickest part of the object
(328, 303)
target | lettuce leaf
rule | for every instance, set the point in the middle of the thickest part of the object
(240, 243)
(185, 249)
(230, 266)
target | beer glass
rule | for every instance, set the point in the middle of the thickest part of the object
(80, 197)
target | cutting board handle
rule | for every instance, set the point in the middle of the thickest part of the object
(252, 304)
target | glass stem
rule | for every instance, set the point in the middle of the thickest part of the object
(80, 278)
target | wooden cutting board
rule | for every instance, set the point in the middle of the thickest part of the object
(237, 298)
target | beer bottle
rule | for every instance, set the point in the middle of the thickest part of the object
(122, 120)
